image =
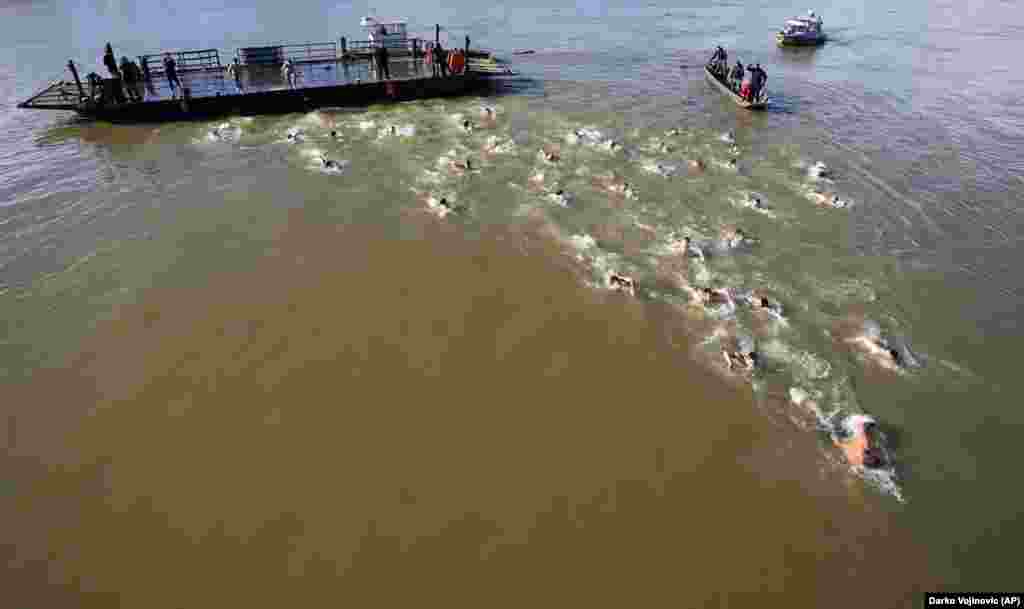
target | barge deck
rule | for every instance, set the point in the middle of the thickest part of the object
(322, 79)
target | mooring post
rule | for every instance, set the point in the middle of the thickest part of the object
(78, 82)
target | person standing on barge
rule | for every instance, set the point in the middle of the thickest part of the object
(130, 79)
(171, 72)
(441, 59)
(383, 70)
(235, 72)
(288, 71)
(147, 77)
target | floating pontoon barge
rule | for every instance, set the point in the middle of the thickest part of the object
(326, 75)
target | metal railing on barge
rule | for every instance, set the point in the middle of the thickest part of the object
(204, 74)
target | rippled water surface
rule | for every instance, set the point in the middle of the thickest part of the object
(282, 381)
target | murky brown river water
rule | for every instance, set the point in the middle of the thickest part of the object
(484, 431)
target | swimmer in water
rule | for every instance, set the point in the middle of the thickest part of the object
(461, 166)
(448, 205)
(672, 133)
(334, 135)
(733, 238)
(708, 297)
(728, 137)
(622, 283)
(732, 164)
(823, 199)
(879, 350)
(487, 112)
(819, 170)
(855, 437)
(755, 202)
(551, 156)
(467, 126)
(561, 197)
(690, 249)
(740, 361)
(664, 148)
(760, 302)
(536, 181)
(327, 163)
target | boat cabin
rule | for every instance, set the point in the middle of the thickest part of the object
(391, 33)
(811, 24)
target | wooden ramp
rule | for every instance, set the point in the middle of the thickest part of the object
(58, 95)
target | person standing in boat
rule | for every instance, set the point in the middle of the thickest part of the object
(758, 79)
(762, 81)
(171, 72)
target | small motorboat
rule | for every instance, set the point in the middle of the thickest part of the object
(758, 104)
(802, 31)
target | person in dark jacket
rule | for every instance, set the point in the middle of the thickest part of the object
(171, 72)
(441, 59)
(382, 62)
(130, 79)
(115, 75)
(753, 83)
(762, 80)
(111, 62)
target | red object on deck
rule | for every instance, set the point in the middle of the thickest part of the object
(745, 89)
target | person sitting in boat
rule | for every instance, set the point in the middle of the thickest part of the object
(747, 84)
(736, 77)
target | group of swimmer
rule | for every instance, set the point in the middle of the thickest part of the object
(856, 436)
